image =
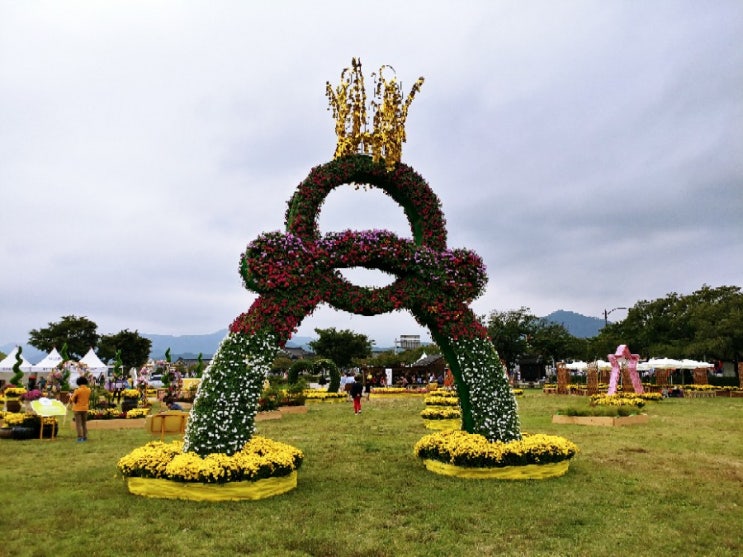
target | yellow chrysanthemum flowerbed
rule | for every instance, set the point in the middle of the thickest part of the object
(319, 396)
(260, 458)
(263, 468)
(470, 455)
(136, 413)
(441, 413)
(11, 419)
(617, 400)
(517, 392)
(16, 418)
(389, 391)
(433, 400)
(14, 392)
(130, 393)
(655, 397)
(698, 387)
(445, 392)
(644, 396)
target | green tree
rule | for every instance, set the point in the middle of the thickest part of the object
(78, 332)
(706, 324)
(281, 364)
(715, 315)
(606, 342)
(388, 358)
(554, 342)
(392, 358)
(135, 349)
(342, 347)
(511, 332)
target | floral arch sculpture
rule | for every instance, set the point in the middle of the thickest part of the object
(297, 270)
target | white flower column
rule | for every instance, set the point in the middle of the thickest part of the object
(222, 419)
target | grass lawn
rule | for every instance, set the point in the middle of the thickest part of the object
(670, 487)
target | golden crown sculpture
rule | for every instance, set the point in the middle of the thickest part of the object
(348, 103)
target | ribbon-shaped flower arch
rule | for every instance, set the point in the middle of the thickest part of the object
(296, 271)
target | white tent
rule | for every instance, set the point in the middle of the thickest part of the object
(95, 365)
(694, 364)
(9, 361)
(664, 363)
(52, 360)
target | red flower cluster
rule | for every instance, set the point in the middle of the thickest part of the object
(296, 271)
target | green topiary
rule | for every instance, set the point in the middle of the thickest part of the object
(17, 378)
(298, 367)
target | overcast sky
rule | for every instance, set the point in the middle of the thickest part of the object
(590, 152)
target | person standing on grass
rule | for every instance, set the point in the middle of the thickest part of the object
(357, 389)
(368, 386)
(80, 401)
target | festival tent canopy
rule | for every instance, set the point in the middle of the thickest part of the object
(94, 363)
(577, 366)
(8, 363)
(664, 363)
(52, 360)
(693, 364)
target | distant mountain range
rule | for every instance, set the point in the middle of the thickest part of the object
(189, 346)
(577, 325)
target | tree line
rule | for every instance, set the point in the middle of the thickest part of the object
(80, 335)
(704, 325)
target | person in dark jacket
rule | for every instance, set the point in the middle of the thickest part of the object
(357, 389)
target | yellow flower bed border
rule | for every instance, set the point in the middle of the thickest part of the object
(444, 424)
(526, 472)
(230, 491)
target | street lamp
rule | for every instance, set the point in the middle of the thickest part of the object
(606, 314)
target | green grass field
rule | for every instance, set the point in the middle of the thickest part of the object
(671, 487)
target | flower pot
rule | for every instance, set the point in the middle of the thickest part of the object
(13, 405)
(128, 404)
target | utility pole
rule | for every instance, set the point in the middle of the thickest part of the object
(606, 314)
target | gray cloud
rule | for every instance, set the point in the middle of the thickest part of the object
(589, 152)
